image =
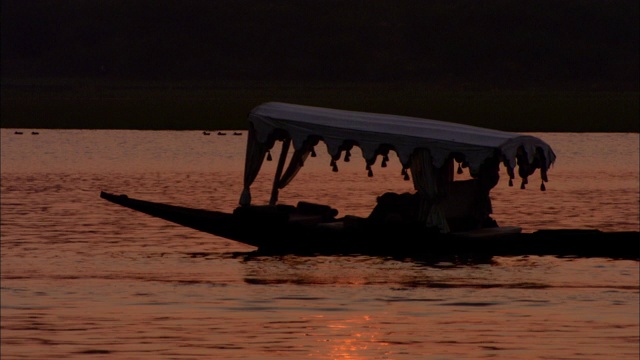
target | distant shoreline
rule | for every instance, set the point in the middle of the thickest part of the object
(91, 104)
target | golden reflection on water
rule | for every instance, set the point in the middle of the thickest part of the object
(361, 337)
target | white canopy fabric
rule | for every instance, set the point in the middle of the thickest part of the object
(403, 133)
(426, 147)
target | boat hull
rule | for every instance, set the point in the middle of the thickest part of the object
(271, 235)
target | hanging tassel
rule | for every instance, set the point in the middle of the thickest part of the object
(542, 187)
(510, 182)
(459, 169)
(405, 174)
(369, 171)
(313, 152)
(385, 159)
(269, 158)
(522, 184)
(347, 156)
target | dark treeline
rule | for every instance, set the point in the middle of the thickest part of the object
(586, 44)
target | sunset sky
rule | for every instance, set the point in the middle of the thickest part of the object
(498, 43)
(519, 66)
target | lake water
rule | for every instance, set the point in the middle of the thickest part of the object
(84, 278)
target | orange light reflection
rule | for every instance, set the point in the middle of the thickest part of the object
(353, 339)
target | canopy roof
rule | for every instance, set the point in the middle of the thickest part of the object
(373, 132)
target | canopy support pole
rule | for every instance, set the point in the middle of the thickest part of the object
(276, 180)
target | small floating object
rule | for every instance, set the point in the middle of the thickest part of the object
(18, 132)
(206, 133)
(237, 133)
(222, 133)
(34, 133)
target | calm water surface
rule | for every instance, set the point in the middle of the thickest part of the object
(84, 278)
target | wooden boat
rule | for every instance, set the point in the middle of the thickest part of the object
(444, 217)
(280, 230)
